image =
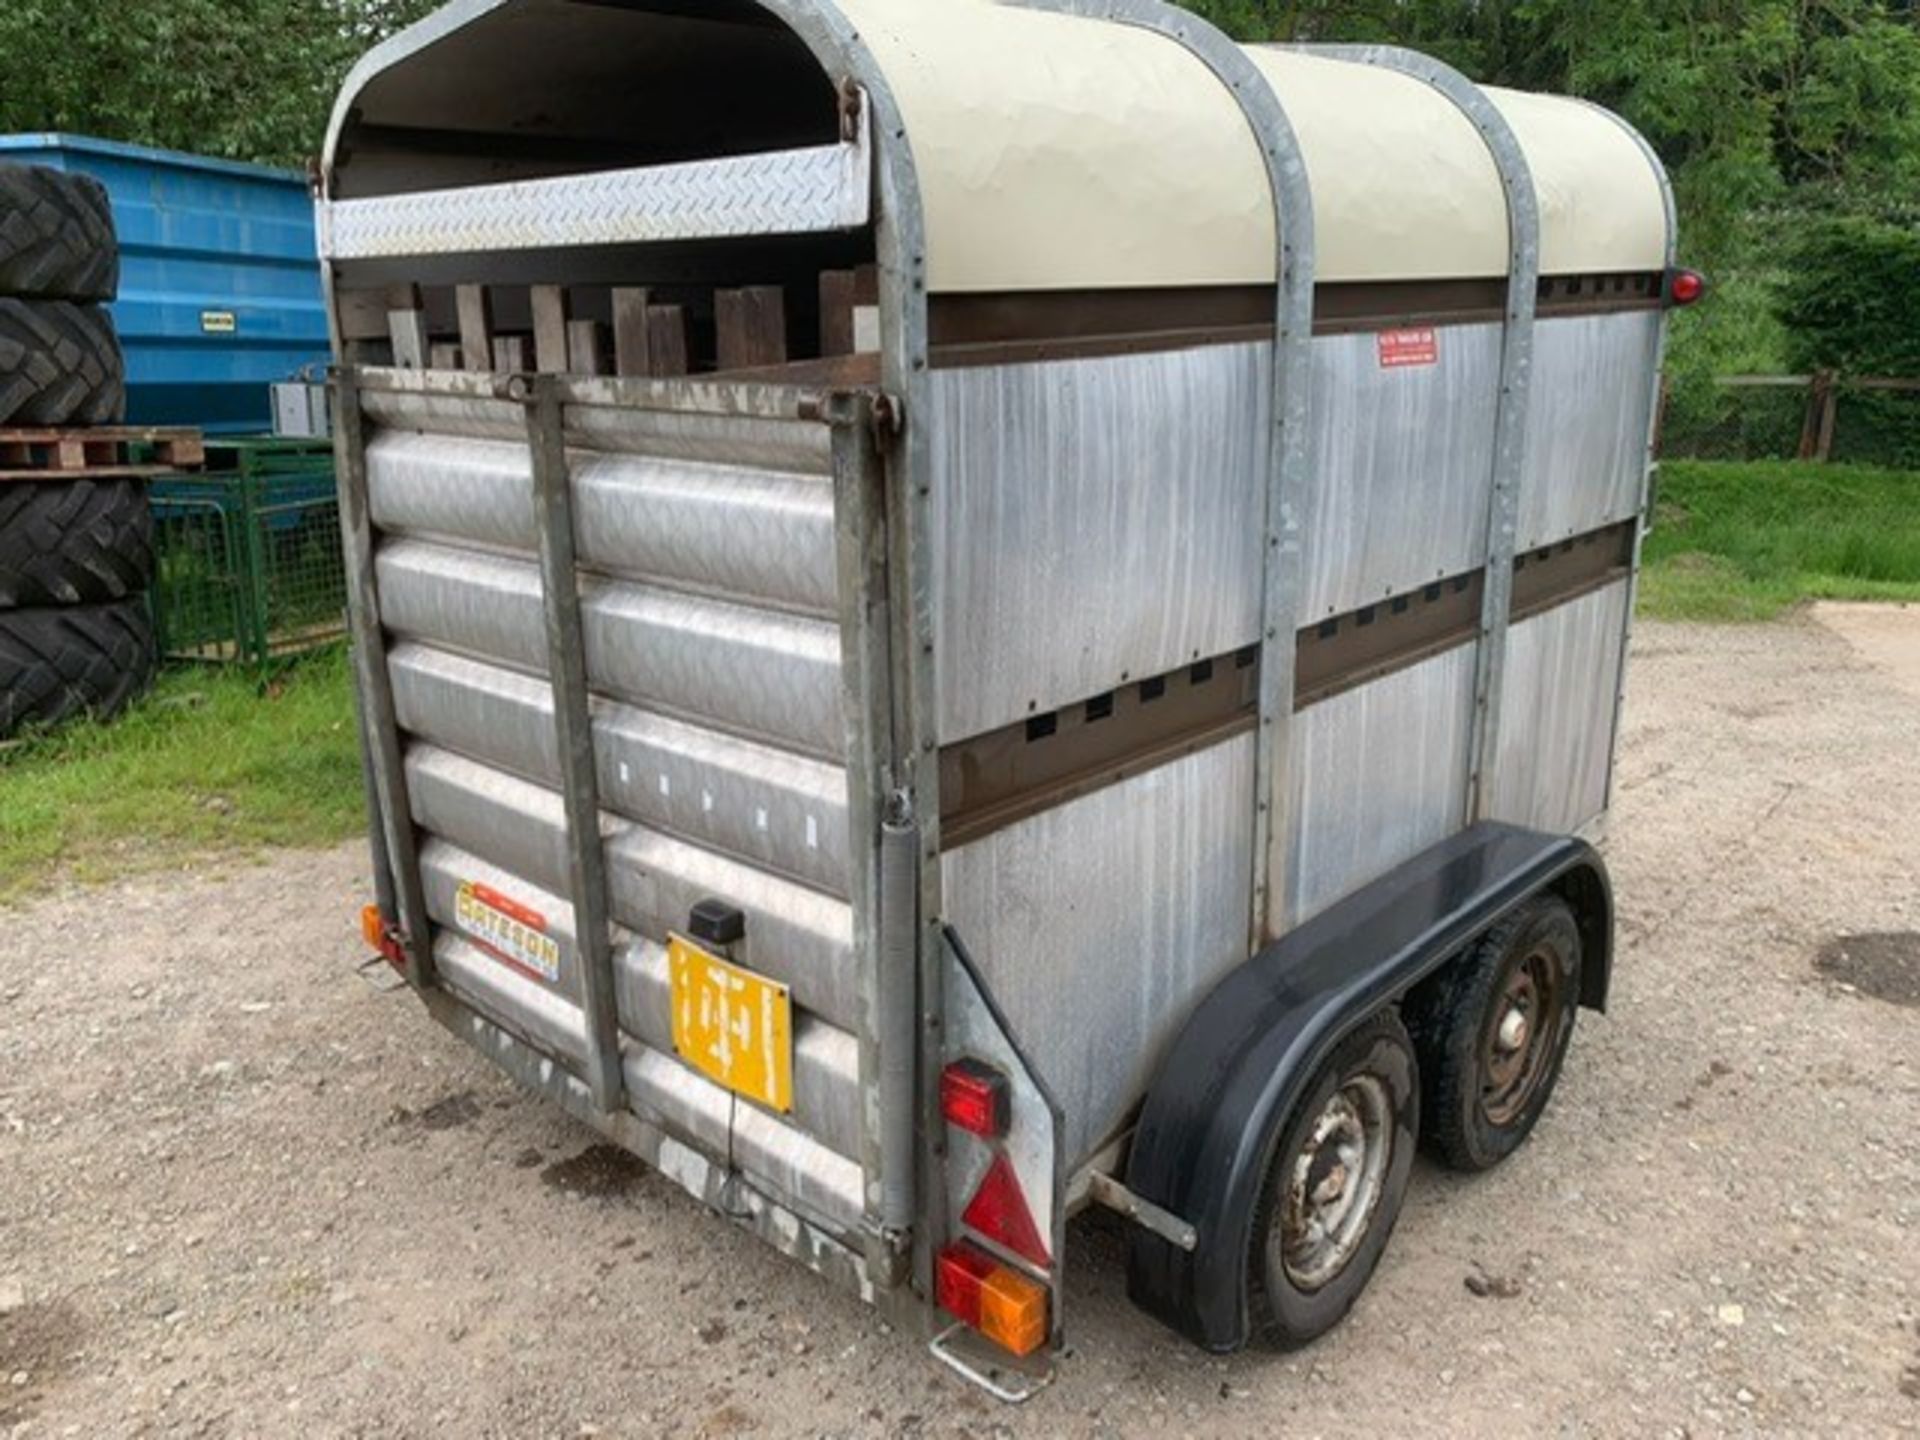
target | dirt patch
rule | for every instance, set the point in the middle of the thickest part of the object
(1885, 636)
(1885, 965)
(600, 1172)
(37, 1345)
(450, 1112)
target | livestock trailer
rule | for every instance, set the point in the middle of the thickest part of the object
(970, 608)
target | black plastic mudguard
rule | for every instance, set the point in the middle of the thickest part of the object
(1238, 1066)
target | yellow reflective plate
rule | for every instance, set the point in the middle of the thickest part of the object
(732, 1025)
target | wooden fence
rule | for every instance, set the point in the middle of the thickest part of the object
(1824, 388)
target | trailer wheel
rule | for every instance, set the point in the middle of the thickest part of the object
(60, 364)
(1335, 1183)
(1493, 1029)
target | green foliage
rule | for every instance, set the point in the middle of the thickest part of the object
(241, 79)
(1745, 541)
(1811, 104)
(1851, 303)
(213, 761)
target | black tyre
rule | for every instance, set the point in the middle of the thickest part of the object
(81, 659)
(1493, 1029)
(1335, 1181)
(59, 365)
(56, 235)
(73, 542)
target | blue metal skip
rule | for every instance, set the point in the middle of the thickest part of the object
(219, 278)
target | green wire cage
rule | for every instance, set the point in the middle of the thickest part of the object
(249, 553)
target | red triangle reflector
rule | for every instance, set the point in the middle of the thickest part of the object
(999, 1211)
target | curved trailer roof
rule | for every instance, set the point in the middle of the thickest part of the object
(1062, 151)
(1059, 150)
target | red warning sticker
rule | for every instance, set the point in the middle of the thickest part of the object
(1402, 348)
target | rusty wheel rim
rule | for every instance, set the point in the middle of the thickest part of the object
(1335, 1183)
(1521, 1035)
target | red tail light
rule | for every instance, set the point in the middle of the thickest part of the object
(1684, 287)
(999, 1211)
(975, 1097)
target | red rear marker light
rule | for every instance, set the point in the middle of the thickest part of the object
(1684, 287)
(975, 1098)
(1007, 1307)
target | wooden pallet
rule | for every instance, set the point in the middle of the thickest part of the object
(97, 451)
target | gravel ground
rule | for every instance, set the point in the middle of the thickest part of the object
(243, 1194)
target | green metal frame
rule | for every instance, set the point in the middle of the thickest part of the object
(250, 568)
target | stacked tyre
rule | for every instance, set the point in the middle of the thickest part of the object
(76, 551)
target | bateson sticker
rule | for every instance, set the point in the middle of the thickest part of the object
(1400, 349)
(514, 932)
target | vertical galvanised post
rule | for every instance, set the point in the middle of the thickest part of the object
(395, 815)
(573, 726)
(884, 843)
(383, 891)
(1516, 380)
(1289, 442)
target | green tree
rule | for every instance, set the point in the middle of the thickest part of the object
(1803, 104)
(242, 79)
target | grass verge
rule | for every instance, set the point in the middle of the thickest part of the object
(1745, 540)
(210, 761)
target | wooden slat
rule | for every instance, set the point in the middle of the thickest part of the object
(836, 312)
(630, 331)
(549, 304)
(100, 450)
(363, 314)
(750, 326)
(408, 331)
(511, 353)
(187, 451)
(474, 304)
(666, 340)
(586, 347)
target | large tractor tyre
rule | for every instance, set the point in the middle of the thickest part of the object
(75, 660)
(1492, 1030)
(1335, 1181)
(74, 542)
(60, 364)
(56, 236)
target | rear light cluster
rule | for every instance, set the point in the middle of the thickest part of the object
(995, 1299)
(1005, 1305)
(379, 938)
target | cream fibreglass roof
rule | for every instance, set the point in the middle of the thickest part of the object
(1601, 207)
(1061, 153)
(1055, 152)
